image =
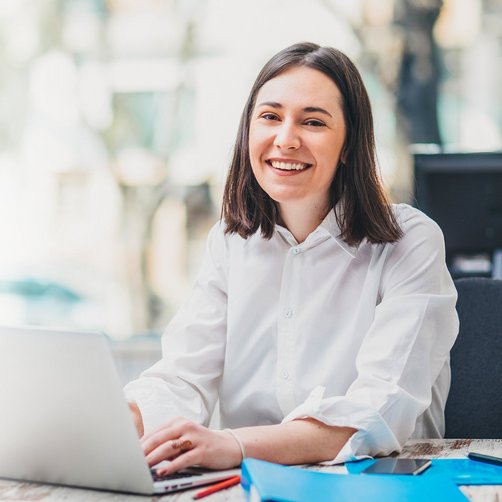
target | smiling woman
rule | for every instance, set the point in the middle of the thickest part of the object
(318, 74)
(323, 316)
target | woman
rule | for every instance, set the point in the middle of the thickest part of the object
(323, 316)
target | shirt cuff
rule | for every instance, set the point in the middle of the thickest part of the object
(373, 436)
(153, 413)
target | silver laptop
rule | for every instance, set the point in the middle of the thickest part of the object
(64, 419)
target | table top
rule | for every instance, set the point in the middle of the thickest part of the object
(426, 448)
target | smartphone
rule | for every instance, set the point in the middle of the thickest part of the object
(411, 466)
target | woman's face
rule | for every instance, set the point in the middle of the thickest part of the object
(296, 136)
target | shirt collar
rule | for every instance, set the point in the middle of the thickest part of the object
(329, 226)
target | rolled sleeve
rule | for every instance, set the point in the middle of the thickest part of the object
(372, 430)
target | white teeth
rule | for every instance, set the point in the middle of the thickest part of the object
(288, 166)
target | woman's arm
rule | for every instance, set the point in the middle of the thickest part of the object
(402, 362)
(187, 443)
(185, 381)
(298, 442)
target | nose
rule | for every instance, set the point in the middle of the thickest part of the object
(287, 137)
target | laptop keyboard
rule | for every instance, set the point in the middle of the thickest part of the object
(175, 475)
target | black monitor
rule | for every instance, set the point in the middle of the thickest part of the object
(462, 192)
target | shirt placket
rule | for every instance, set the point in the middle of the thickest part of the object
(286, 331)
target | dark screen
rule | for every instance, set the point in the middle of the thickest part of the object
(397, 466)
(463, 194)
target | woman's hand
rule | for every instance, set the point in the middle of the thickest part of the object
(185, 443)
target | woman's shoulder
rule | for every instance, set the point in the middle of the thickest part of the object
(218, 236)
(408, 216)
(416, 224)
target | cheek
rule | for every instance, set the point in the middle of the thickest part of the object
(258, 139)
(254, 152)
(253, 157)
(332, 154)
(252, 143)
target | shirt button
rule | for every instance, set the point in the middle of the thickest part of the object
(285, 374)
(288, 313)
(296, 250)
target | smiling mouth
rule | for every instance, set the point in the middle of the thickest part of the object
(288, 166)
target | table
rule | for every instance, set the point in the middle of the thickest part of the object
(425, 448)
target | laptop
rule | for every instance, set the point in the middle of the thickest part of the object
(64, 419)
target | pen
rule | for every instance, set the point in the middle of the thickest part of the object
(234, 480)
(481, 457)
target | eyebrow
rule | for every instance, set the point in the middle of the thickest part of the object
(308, 109)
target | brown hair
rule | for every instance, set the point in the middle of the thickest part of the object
(364, 211)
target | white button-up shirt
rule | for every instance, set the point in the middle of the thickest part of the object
(277, 330)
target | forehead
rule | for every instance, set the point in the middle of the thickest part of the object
(301, 85)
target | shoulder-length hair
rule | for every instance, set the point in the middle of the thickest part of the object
(361, 207)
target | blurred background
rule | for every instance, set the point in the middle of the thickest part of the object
(117, 120)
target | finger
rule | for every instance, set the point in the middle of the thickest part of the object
(137, 417)
(173, 422)
(164, 435)
(181, 445)
(169, 450)
(188, 459)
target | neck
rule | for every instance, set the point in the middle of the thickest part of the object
(301, 220)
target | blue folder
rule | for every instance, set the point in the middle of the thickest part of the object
(264, 481)
(461, 471)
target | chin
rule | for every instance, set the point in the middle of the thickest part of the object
(284, 198)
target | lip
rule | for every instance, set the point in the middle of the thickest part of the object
(287, 160)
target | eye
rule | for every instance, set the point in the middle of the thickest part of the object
(269, 116)
(314, 122)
